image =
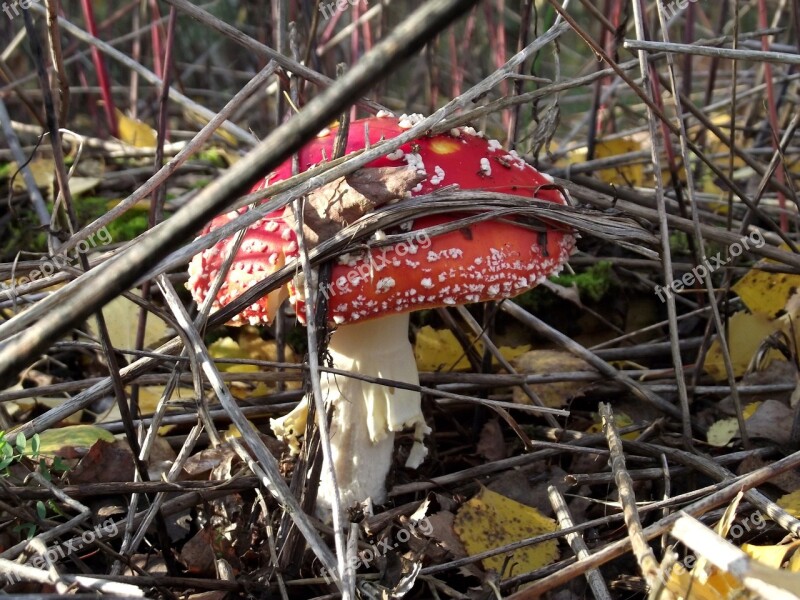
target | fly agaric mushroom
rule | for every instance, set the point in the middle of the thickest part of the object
(371, 294)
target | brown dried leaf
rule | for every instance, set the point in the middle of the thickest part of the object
(103, 463)
(198, 553)
(491, 444)
(339, 203)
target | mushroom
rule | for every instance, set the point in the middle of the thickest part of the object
(371, 294)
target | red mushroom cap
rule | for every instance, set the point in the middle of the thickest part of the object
(487, 260)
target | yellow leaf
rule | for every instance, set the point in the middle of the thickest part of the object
(439, 350)
(542, 362)
(250, 346)
(52, 441)
(723, 431)
(790, 503)
(716, 586)
(42, 169)
(771, 556)
(745, 333)
(28, 404)
(122, 319)
(723, 526)
(766, 292)
(620, 420)
(490, 520)
(202, 121)
(794, 563)
(628, 174)
(134, 132)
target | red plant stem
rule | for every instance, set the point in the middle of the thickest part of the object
(100, 67)
(772, 114)
(155, 40)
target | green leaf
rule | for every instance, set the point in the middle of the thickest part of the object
(21, 443)
(28, 528)
(41, 509)
(35, 445)
(59, 466)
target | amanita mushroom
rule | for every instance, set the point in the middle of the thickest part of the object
(371, 294)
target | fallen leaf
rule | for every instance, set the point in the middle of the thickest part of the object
(745, 334)
(770, 420)
(71, 441)
(122, 320)
(787, 481)
(627, 174)
(103, 463)
(439, 350)
(544, 362)
(621, 420)
(490, 520)
(491, 443)
(772, 556)
(134, 132)
(722, 432)
(335, 205)
(197, 554)
(766, 292)
(790, 503)
(441, 529)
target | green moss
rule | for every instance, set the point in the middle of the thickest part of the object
(122, 229)
(215, 156)
(593, 283)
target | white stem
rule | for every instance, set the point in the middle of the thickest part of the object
(366, 415)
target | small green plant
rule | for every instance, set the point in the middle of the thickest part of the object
(15, 451)
(22, 447)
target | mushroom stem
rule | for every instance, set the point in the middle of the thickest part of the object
(367, 415)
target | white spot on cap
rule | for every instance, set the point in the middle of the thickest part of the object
(494, 145)
(486, 168)
(396, 155)
(408, 121)
(385, 284)
(426, 283)
(439, 176)
(382, 114)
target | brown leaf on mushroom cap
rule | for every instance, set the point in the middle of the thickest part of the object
(339, 203)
